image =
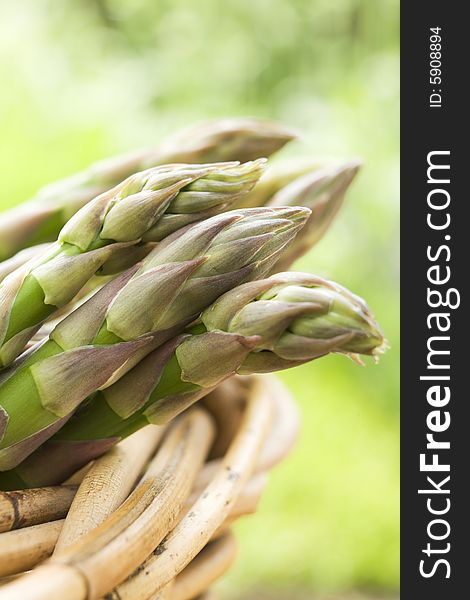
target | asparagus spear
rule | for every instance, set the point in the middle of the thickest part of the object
(322, 191)
(40, 219)
(147, 206)
(132, 315)
(236, 138)
(261, 326)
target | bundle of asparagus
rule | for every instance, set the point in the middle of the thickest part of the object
(193, 296)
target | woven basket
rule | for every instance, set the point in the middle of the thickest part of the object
(151, 518)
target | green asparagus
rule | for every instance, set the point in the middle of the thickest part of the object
(322, 191)
(133, 314)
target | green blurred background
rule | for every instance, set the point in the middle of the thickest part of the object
(84, 79)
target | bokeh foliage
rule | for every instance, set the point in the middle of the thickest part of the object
(83, 79)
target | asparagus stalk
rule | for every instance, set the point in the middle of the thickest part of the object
(258, 327)
(323, 192)
(147, 206)
(40, 219)
(237, 138)
(133, 314)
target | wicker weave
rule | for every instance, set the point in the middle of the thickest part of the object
(151, 518)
